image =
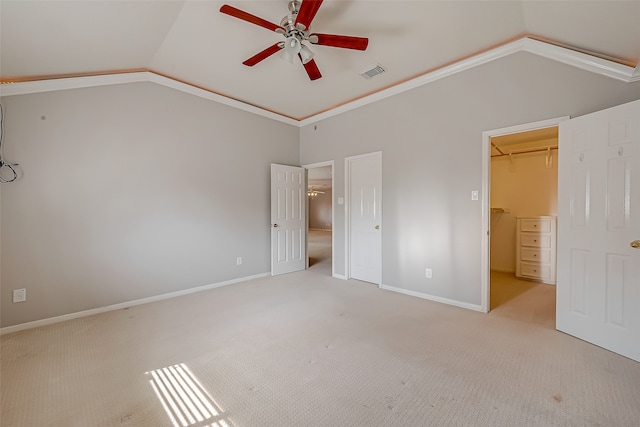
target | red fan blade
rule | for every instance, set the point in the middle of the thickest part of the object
(346, 42)
(312, 69)
(307, 12)
(240, 14)
(262, 55)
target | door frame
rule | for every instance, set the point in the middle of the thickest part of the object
(347, 213)
(333, 211)
(485, 266)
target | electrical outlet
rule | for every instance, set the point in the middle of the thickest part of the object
(428, 274)
(19, 295)
(239, 260)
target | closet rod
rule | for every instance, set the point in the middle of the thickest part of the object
(537, 150)
(497, 148)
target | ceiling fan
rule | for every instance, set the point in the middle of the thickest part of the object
(312, 192)
(295, 29)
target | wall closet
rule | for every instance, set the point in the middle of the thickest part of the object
(524, 193)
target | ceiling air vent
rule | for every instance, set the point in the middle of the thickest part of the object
(373, 71)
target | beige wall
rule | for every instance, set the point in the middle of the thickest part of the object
(132, 191)
(524, 187)
(320, 211)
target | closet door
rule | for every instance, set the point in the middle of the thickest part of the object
(365, 217)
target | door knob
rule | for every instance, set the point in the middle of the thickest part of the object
(275, 225)
(377, 227)
(635, 244)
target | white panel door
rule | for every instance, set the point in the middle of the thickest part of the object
(288, 219)
(598, 290)
(365, 217)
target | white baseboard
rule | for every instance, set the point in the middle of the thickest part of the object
(339, 276)
(448, 301)
(119, 306)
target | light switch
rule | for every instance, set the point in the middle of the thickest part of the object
(474, 195)
(341, 200)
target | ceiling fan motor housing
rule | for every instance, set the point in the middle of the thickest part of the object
(289, 23)
(295, 35)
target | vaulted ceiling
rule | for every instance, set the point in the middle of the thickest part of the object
(192, 43)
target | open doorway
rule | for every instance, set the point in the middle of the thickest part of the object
(320, 217)
(521, 202)
(524, 207)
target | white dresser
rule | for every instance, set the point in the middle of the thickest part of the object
(536, 248)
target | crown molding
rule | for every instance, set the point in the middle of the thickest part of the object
(70, 82)
(222, 99)
(584, 61)
(78, 82)
(565, 55)
(557, 53)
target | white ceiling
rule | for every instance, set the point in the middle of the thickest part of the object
(192, 42)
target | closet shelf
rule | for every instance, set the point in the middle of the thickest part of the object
(500, 210)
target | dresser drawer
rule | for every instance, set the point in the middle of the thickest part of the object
(536, 255)
(535, 271)
(535, 240)
(536, 248)
(541, 225)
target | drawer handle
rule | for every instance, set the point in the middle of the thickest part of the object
(535, 241)
(535, 255)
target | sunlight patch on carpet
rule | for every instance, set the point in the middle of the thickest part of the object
(186, 402)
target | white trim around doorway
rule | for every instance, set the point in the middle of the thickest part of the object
(485, 267)
(333, 214)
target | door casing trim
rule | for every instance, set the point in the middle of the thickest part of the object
(485, 261)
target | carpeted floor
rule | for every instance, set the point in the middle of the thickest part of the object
(319, 247)
(305, 349)
(523, 300)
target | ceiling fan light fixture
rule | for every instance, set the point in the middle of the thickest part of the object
(292, 47)
(312, 192)
(306, 54)
(287, 56)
